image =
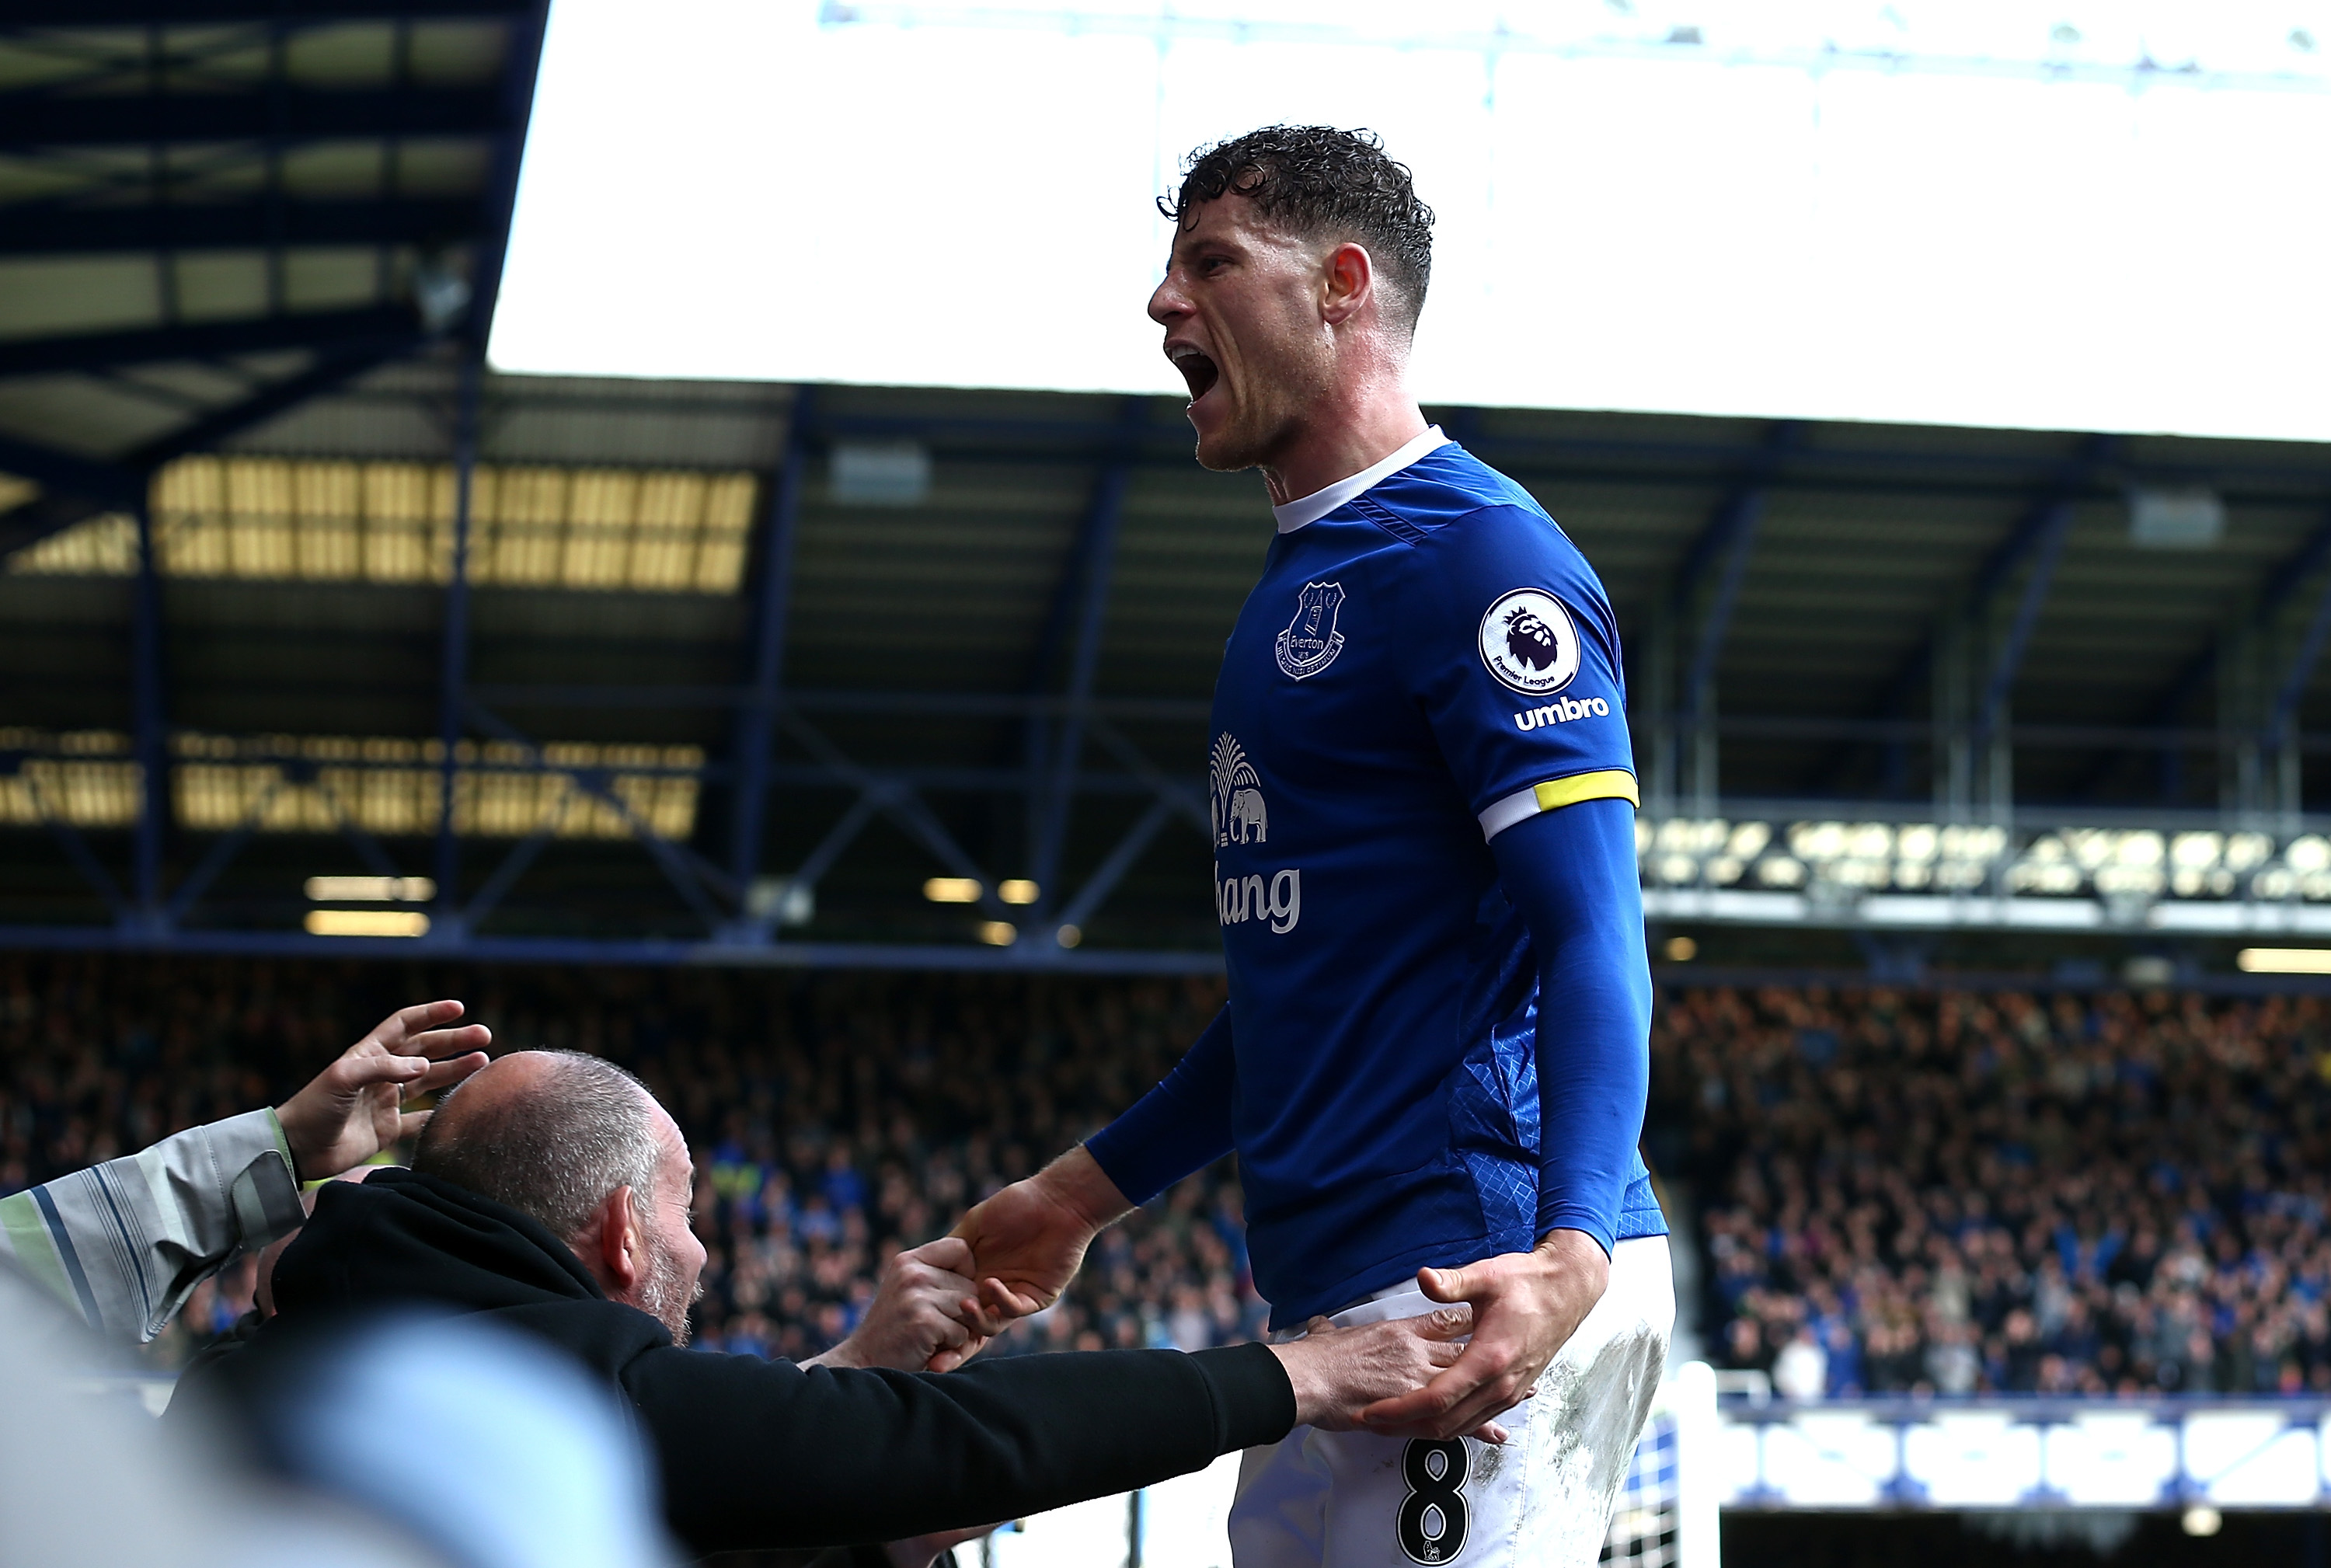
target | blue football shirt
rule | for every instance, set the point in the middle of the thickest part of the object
(1425, 666)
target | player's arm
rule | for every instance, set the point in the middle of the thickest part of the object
(1571, 874)
(1517, 667)
(1028, 1240)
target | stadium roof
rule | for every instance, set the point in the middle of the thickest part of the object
(211, 210)
(936, 613)
(246, 259)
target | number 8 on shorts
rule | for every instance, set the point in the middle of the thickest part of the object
(1432, 1520)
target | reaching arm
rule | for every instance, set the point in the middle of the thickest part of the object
(1028, 1240)
(1183, 1124)
(766, 1454)
(126, 1242)
(1571, 874)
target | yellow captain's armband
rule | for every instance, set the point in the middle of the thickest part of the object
(1610, 784)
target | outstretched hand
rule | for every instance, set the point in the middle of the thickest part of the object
(353, 1108)
(1028, 1241)
(1526, 1306)
(925, 1315)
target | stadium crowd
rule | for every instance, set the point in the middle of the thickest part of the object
(2076, 1194)
(1945, 1192)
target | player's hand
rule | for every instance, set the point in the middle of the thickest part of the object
(1028, 1241)
(923, 1311)
(352, 1109)
(1339, 1373)
(1525, 1308)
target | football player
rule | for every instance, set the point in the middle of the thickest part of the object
(1433, 1062)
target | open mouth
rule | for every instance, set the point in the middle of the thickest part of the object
(1199, 371)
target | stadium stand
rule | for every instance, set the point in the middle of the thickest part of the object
(2110, 1193)
(1952, 1192)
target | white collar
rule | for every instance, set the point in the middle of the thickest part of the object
(1311, 508)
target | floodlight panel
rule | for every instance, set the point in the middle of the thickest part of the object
(950, 196)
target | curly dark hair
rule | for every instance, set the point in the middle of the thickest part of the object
(1325, 182)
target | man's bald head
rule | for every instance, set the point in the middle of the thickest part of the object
(550, 1134)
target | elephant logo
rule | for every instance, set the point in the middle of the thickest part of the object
(1239, 816)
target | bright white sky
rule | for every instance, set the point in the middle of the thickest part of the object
(2011, 223)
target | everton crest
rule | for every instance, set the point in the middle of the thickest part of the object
(1310, 642)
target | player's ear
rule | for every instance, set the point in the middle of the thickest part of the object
(1348, 282)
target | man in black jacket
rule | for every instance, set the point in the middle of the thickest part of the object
(552, 1195)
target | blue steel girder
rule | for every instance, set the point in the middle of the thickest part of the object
(772, 611)
(147, 742)
(2281, 582)
(40, 120)
(1082, 604)
(691, 876)
(904, 806)
(2299, 668)
(1110, 872)
(239, 225)
(316, 329)
(453, 672)
(520, 69)
(1723, 546)
(2064, 482)
(2056, 522)
(1737, 521)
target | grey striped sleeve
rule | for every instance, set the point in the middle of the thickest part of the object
(126, 1242)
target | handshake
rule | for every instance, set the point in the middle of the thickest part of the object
(928, 1314)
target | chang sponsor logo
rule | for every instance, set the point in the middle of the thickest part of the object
(1277, 899)
(1562, 710)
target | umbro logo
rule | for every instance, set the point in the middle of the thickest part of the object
(1562, 710)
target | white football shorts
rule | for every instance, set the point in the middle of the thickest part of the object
(1543, 1499)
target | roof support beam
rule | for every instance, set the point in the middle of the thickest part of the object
(147, 738)
(2040, 527)
(520, 67)
(2054, 522)
(772, 610)
(2281, 580)
(1721, 550)
(2291, 687)
(1079, 614)
(239, 225)
(26, 14)
(321, 330)
(42, 119)
(453, 669)
(1732, 536)
(1070, 930)
(80, 488)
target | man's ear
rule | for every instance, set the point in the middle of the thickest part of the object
(622, 1246)
(1348, 282)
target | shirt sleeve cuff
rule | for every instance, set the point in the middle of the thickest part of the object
(1602, 1231)
(262, 1187)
